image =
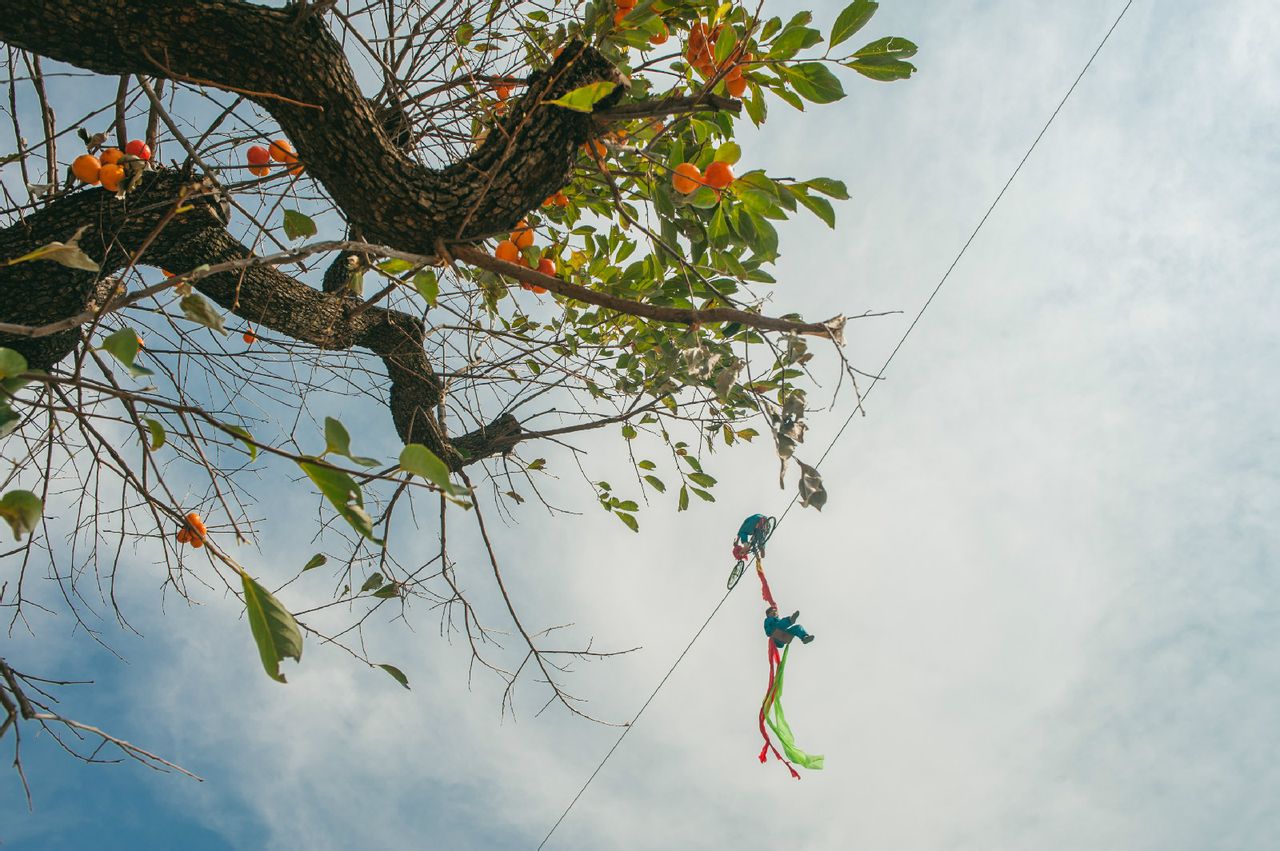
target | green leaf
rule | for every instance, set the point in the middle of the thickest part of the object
(396, 674)
(814, 82)
(9, 419)
(853, 18)
(883, 69)
(584, 98)
(684, 499)
(372, 582)
(298, 225)
(890, 46)
(729, 152)
(344, 495)
(656, 483)
(245, 438)
(629, 431)
(831, 188)
(427, 286)
(793, 40)
(195, 308)
(336, 438)
(629, 519)
(22, 511)
(757, 109)
(315, 561)
(703, 198)
(274, 629)
(821, 207)
(703, 495)
(11, 363)
(725, 43)
(338, 441)
(421, 461)
(702, 479)
(123, 346)
(395, 266)
(789, 97)
(156, 428)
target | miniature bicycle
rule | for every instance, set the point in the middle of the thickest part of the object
(752, 537)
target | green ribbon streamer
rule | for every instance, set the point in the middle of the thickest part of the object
(777, 721)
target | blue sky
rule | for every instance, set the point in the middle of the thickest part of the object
(1044, 583)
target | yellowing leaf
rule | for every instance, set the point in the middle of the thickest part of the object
(22, 511)
(65, 253)
(156, 428)
(584, 98)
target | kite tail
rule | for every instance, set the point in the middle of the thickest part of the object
(764, 583)
(769, 697)
(778, 721)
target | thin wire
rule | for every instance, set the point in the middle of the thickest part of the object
(634, 720)
(875, 380)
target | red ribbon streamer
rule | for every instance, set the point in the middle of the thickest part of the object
(769, 692)
(764, 586)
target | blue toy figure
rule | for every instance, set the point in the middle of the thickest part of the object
(782, 630)
(748, 526)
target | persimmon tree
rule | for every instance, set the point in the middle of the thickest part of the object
(489, 225)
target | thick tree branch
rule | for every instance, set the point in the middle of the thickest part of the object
(296, 70)
(668, 106)
(33, 293)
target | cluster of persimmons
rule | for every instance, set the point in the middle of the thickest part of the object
(105, 168)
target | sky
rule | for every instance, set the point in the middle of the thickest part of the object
(1043, 584)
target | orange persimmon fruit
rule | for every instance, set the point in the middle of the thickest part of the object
(686, 178)
(86, 168)
(719, 175)
(508, 251)
(111, 176)
(522, 236)
(282, 152)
